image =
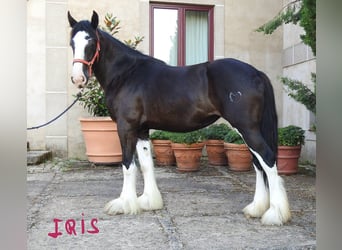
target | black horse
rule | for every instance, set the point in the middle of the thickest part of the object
(144, 93)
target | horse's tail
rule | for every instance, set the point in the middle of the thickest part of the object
(269, 121)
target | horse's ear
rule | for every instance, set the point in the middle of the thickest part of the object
(94, 20)
(72, 21)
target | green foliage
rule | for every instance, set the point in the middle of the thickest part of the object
(188, 137)
(92, 97)
(160, 135)
(112, 27)
(111, 24)
(308, 22)
(134, 43)
(302, 11)
(233, 137)
(217, 131)
(291, 136)
(301, 93)
(289, 15)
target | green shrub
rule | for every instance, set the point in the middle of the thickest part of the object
(160, 135)
(217, 131)
(291, 136)
(188, 137)
(233, 137)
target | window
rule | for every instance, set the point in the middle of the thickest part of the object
(181, 34)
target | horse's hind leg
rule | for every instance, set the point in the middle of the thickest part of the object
(151, 199)
(278, 211)
(261, 200)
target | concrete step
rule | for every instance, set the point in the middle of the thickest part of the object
(35, 157)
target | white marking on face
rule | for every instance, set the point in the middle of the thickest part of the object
(80, 41)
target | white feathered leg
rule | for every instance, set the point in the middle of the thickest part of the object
(151, 199)
(127, 203)
(261, 200)
(279, 211)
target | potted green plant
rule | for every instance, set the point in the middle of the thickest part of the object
(99, 131)
(162, 148)
(290, 141)
(187, 148)
(215, 134)
(238, 155)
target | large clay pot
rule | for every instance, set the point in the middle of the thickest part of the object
(287, 160)
(216, 153)
(239, 157)
(188, 157)
(101, 139)
(163, 152)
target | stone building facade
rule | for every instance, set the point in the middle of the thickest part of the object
(49, 57)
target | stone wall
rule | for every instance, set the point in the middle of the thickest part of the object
(298, 63)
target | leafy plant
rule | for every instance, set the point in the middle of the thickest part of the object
(160, 135)
(233, 137)
(291, 136)
(92, 97)
(289, 14)
(308, 22)
(302, 11)
(217, 131)
(188, 137)
(111, 24)
(301, 93)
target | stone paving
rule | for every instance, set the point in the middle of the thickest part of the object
(202, 210)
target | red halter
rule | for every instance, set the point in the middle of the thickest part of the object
(96, 56)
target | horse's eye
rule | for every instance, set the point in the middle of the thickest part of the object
(87, 37)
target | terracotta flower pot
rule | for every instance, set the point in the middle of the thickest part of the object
(188, 156)
(101, 139)
(216, 152)
(287, 160)
(239, 157)
(163, 152)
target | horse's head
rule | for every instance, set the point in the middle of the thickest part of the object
(86, 46)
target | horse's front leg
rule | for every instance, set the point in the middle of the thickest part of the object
(151, 199)
(127, 203)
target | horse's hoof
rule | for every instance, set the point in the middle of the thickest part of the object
(114, 207)
(121, 206)
(255, 210)
(274, 216)
(150, 202)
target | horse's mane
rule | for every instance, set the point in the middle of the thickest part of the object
(127, 49)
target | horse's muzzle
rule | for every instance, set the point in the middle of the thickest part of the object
(79, 81)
